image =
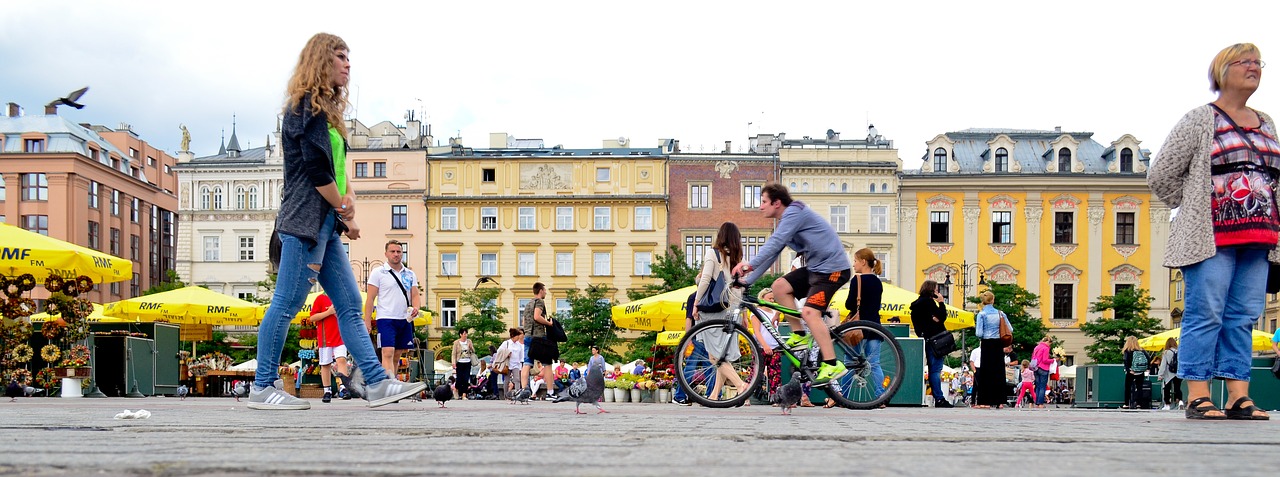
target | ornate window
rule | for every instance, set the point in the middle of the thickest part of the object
(1126, 160)
(1002, 160)
(1001, 226)
(939, 160)
(939, 226)
(1064, 160)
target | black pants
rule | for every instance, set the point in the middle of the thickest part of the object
(1173, 391)
(1132, 383)
(463, 379)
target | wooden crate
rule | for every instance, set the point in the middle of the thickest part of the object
(311, 391)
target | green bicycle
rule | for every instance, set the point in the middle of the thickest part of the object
(870, 352)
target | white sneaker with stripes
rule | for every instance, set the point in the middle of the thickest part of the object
(391, 390)
(274, 398)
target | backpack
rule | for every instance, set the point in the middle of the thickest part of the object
(1173, 362)
(1138, 364)
(711, 300)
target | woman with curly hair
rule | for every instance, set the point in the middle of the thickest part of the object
(316, 209)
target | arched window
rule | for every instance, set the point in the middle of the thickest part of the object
(792, 186)
(253, 198)
(241, 197)
(884, 188)
(217, 197)
(1002, 160)
(804, 187)
(844, 187)
(831, 187)
(206, 199)
(939, 160)
(873, 187)
(1126, 160)
(1064, 160)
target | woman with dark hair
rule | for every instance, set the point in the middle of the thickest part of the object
(725, 253)
(1169, 375)
(928, 318)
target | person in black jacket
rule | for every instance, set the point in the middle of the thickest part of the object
(1133, 379)
(928, 315)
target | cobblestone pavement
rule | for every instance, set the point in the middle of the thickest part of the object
(217, 436)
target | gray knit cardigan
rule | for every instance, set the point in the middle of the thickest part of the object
(1180, 177)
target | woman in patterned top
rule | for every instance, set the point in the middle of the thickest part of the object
(1219, 167)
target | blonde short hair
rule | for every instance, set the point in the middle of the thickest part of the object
(1223, 60)
(763, 291)
(987, 297)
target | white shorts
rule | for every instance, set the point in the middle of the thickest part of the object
(327, 354)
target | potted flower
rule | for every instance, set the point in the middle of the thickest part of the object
(635, 392)
(664, 390)
(622, 389)
(75, 363)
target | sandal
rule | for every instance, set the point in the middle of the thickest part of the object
(1196, 411)
(1247, 413)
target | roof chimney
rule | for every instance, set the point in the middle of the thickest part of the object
(728, 146)
(1057, 129)
(50, 109)
(15, 110)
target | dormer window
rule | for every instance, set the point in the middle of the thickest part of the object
(1126, 160)
(1002, 160)
(1064, 160)
(939, 160)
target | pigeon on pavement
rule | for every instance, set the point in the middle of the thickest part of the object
(442, 394)
(13, 391)
(586, 389)
(788, 395)
(183, 391)
(240, 389)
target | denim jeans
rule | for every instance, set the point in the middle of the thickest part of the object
(293, 283)
(870, 349)
(690, 367)
(935, 375)
(1042, 380)
(1225, 295)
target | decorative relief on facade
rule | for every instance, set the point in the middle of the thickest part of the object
(940, 202)
(909, 215)
(1002, 274)
(1063, 249)
(1033, 215)
(184, 193)
(726, 167)
(1096, 213)
(448, 175)
(1125, 274)
(545, 176)
(1064, 273)
(1002, 201)
(1001, 249)
(1127, 203)
(937, 273)
(939, 249)
(1064, 202)
(971, 218)
(1159, 215)
(1125, 250)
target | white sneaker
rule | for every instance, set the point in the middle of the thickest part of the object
(273, 398)
(391, 390)
(1165, 408)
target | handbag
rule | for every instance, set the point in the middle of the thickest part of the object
(855, 336)
(502, 360)
(1273, 278)
(942, 344)
(1006, 331)
(712, 301)
(1275, 368)
(556, 333)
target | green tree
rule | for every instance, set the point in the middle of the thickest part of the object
(171, 282)
(674, 272)
(589, 324)
(266, 289)
(484, 321)
(1129, 318)
(1014, 301)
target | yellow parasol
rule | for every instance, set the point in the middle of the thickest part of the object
(423, 318)
(655, 313)
(95, 317)
(1261, 340)
(29, 252)
(896, 302)
(187, 305)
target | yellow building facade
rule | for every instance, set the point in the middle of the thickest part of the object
(1059, 214)
(568, 218)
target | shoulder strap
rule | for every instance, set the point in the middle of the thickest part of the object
(858, 277)
(407, 301)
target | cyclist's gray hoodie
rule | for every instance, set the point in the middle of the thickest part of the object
(805, 232)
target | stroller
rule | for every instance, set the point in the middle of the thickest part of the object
(486, 387)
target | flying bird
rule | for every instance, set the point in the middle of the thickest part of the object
(788, 395)
(586, 389)
(442, 394)
(70, 99)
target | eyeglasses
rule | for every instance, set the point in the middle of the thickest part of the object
(1247, 63)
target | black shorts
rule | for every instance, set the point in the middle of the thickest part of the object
(817, 288)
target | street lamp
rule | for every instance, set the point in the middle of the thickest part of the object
(964, 269)
(364, 267)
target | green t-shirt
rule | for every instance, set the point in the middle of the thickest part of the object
(339, 159)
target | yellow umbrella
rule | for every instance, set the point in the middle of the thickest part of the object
(669, 338)
(896, 302)
(423, 318)
(1261, 340)
(30, 252)
(188, 305)
(95, 317)
(655, 313)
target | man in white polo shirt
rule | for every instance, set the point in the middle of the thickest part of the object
(395, 288)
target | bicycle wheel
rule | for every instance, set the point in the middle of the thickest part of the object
(706, 348)
(875, 364)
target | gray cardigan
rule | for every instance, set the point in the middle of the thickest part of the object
(1181, 178)
(308, 164)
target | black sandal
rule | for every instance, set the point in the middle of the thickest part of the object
(1247, 413)
(1195, 411)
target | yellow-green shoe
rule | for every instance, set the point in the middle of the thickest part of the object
(797, 342)
(828, 372)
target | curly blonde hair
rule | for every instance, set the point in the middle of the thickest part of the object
(314, 75)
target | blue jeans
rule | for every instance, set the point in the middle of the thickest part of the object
(1042, 380)
(870, 349)
(292, 285)
(690, 366)
(935, 375)
(1225, 295)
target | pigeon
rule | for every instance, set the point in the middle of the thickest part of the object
(588, 388)
(29, 391)
(442, 394)
(14, 390)
(788, 395)
(240, 389)
(183, 391)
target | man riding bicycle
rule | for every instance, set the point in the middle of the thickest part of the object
(826, 270)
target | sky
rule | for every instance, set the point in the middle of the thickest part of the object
(577, 73)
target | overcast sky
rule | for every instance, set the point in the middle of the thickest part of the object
(702, 72)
